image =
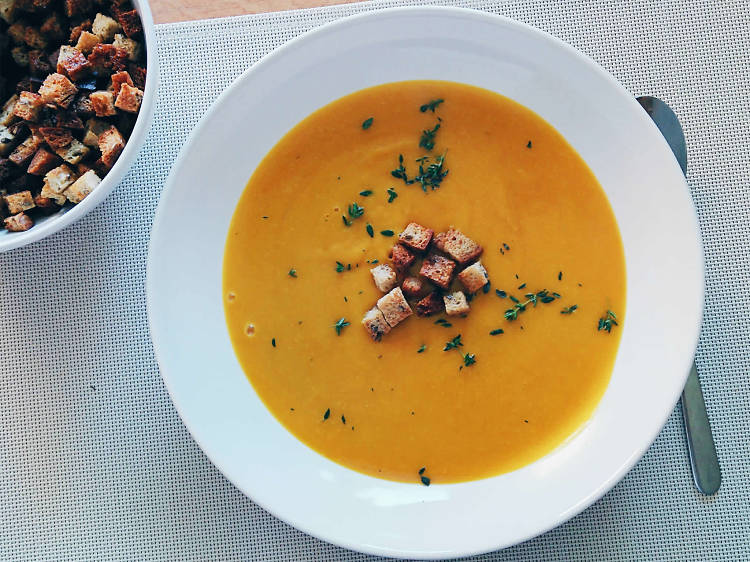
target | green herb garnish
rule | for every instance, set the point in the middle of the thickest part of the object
(421, 470)
(343, 419)
(431, 176)
(607, 322)
(340, 325)
(292, 272)
(497, 332)
(421, 349)
(327, 414)
(443, 322)
(386, 232)
(455, 343)
(531, 299)
(569, 309)
(427, 140)
(469, 359)
(522, 286)
(366, 193)
(347, 222)
(369, 229)
(501, 294)
(425, 480)
(391, 194)
(340, 267)
(355, 211)
(430, 105)
(273, 342)
(367, 123)
(559, 276)
(528, 145)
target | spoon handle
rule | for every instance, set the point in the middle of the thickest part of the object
(703, 458)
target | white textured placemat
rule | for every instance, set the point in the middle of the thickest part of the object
(95, 463)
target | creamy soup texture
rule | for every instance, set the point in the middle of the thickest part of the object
(294, 268)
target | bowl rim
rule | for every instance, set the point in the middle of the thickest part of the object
(295, 43)
(113, 178)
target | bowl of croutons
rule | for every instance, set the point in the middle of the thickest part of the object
(77, 90)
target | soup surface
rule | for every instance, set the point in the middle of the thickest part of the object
(296, 272)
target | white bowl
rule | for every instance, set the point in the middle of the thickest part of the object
(610, 131)
(44, 226)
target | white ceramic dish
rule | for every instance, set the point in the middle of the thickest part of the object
(44, 226)
(610, 131)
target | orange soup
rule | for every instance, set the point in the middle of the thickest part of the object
(328, 203)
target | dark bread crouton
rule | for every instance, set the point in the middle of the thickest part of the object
(77, 31)
(401, 257)
(56, 137)
(460, 247)
(429, 305)
(413, 287)
(73, 62)
(18, 223)
(138, 73)
(77, 7)
(26, 150)
(394, 307)
(375, 324)
(438, 269)
(105, 58)
(42, 162)
(130, 22)
(416, 236)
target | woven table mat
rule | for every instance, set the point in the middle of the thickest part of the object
(95, 464)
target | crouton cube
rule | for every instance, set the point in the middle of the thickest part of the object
(45, 204)
(82, 106)
(59, 179)
(73, 62)
(77, 7)
(8, 10)
(33, 38)
(87, 41)
(75, 32)
(41, 163)
(103, 103)
(416, 236)
(375, 324)
(29, 106)
(429, 305)
(118, 79)
(111, 144)
(20, 56)
(6, 140)
(52, 27)
(74, 152)
(384, 277)
(105, 57)
(129, 99)
(57, 89)
(6, 115)
(438, 269)
(401, 257)
(47, 193)
(138, 73)
(94, 128)
(413, 287)
(131, 22)
(438, 241)
(16, 32)
(18, 223)
(26, 150)
(56, 137)
(39, 64)
(456, 304)
(394, 307)
(460, 247)
(130, 46)
(19, 202)
(105, 27)
(82, 187)
(474, 277)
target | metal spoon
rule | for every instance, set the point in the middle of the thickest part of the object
(703, 459)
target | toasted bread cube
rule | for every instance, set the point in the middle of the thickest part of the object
(52, 27)
(105, 57)
(41, 163)
(29, 106)
(25, 151)
(87, 41)
(130, 46)
(456, 304)
(438, 241)
(401, 257)
(438, 269)
(34, 39)
(56, 137)
(16, 32)
(413, 287)
(375, 324)
(20, 56)
(57, 89)
(6, 115)
(474, 277)
(8, 10)
(129, 99)
(6, 140)
(76, 7)
(384, 277)
(111, 145)
(59, 179)
(19, 202)
(118, 79)
(105, 27)
(74, 64)
(45, 204)
(47, 193)
(94, 128)
(138, 73)
(82, 187)
(18, 223)
(394, 307)
(74, 152)
(416, 236)
(429, 305)
(460, 247)
(131, 22)
(103, 103)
